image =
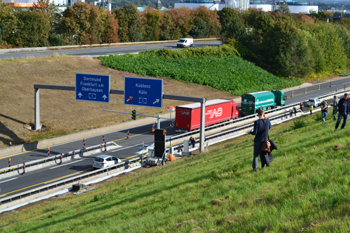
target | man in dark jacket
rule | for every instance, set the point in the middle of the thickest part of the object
(259, 132)
(343, 108)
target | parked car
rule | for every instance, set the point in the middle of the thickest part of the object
(103, 161)
(314, 101)
(185, 42)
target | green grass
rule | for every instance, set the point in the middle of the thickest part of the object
(306, 189)
(217, 67)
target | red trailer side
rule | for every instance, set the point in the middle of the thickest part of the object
(216, 111)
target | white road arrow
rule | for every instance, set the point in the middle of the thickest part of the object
(104, 97)
(80, 95)
(157, 101)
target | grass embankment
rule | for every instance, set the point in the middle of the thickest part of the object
(305, 189)
(217, 67)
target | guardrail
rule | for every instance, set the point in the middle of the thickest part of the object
(209, 139)
(230, 122)
(117, 169)
(2, 51)
(134, 163)
(49, 161)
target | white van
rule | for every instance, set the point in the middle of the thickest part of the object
(185, 42)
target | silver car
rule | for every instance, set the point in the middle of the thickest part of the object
(103, 161)
(314, 101)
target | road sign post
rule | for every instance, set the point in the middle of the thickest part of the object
(92, 87)
(144, 92)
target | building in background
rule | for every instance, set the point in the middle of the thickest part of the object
(61, 4)
(295, 6)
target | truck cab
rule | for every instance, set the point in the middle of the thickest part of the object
(185, 42)
(280, 98)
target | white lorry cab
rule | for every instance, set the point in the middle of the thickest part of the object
(185, 42)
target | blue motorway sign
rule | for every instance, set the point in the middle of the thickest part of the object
(146, 92)
(92, 87)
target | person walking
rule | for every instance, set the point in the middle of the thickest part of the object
(193, 142)
(335, 107)
(301, 106)
(259, 132)
(324, 110)
(343, 109)
(311, 108)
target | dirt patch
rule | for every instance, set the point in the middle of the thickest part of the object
(337, 147)
(59, 110)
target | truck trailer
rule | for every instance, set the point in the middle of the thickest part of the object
(265, 100)
(188, 116)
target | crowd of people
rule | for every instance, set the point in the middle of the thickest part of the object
(263, 125)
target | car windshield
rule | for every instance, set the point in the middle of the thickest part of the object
(98, 159)
(311, 100)
(181, 40)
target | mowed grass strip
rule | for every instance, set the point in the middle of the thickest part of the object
(217, 67)
(306, 189)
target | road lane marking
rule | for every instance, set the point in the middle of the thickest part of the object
(44, 182)
(22, 153)
(67, 164)
(127, 147)
(7, 180)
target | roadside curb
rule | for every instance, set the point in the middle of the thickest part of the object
(76, 136)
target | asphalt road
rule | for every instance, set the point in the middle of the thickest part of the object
(138, 135)
(103, 51)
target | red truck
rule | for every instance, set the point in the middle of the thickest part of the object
(188, 116)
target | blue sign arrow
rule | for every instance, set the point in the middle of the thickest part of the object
(92, 87)
(145, 92)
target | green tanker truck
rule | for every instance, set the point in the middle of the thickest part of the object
(266, 100)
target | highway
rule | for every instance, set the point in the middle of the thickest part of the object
(138, 135)
(103, 51)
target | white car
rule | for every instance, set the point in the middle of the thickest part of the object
(103, 161)
(185, 42)
(314, 101)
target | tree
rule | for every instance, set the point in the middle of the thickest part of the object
(232, 25)
(110, 34)
(32, 29)
(283, 8)
(7, 23)
(152, 31)
(200, 29)
(182, 22)
(82, 23)
(128, 20)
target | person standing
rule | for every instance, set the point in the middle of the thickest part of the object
(193, 142)
(343, 108)
(311, 108)
(301, 106)
(324, 110)
(259, 132)
(335, 107)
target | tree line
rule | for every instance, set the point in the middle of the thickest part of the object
(85, 23)
(288, 45)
